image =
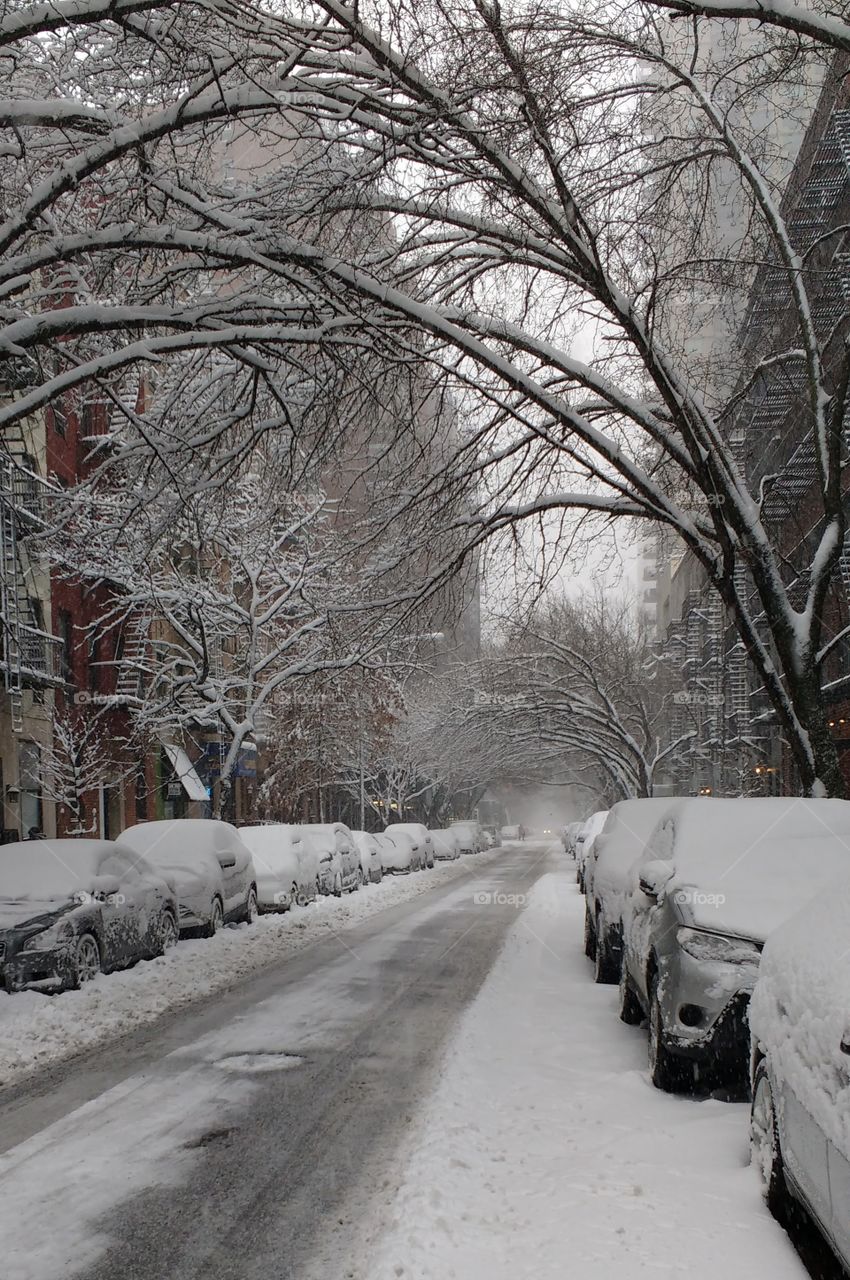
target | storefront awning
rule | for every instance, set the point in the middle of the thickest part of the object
(185, 770)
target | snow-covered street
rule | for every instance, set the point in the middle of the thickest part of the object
(545, 1152)
(38, 1031)
(447, 1094)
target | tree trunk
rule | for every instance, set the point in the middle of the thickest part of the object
(812, 745)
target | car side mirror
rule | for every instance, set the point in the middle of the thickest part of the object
(845, 1043)
(105, 886)
(226, 861)
(654, 877)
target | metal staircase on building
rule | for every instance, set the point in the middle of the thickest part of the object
(10, 592)
(136, 638)
(844, 565)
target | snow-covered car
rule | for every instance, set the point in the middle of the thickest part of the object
(606, 880)
(470, 836)
(446, 844)
(207, 865)
(370, 856)
(716, 878)
(584, 842)
(339, 858)
(397, 854)
(569, 836)
(422, 837)
(285, 863)
(494, 839)
(800, 1029)
(510, 833)
(70, 909)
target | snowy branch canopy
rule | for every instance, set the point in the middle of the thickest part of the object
(281, 222)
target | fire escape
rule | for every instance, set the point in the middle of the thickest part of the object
(31, 656)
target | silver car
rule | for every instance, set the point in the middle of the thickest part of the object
(210, 868)
(370, 857)
(421, 837)
(606, 880)
(286, 865)
(715, 879)
(340, 870)
(584, 842)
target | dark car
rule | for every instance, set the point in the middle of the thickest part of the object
(70, 909)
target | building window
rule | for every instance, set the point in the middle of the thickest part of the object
(29, 782)
(60, 421)
(94, 661)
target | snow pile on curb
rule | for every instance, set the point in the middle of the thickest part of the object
(38, 1030)
(545, 1152)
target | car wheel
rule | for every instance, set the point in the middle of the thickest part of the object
(606, 971)
(589, 935)
(766, 1154)
(215, 921)
(664, 1070)
(87, 959)
(629, 1009)
(167, 933)
(252, 907)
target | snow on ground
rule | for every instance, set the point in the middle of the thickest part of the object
(38, 1030)
(545, 1153)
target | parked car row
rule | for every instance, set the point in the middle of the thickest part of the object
(726, 925)
(73, 908)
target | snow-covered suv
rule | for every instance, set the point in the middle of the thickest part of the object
(717, 876)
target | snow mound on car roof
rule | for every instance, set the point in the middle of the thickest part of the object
(620, 843)
(751, 861)
(34, 870)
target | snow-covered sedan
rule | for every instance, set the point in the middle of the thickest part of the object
(207, 864)
(397, 854)
(607, 884)
(339, 859)
(70, 909)
(800, 1028)
(584, 842)
(286, 865)
(446, 844)
(717, 877)
(370, 856)
(470, 836)
(420, 835)
(569, 836)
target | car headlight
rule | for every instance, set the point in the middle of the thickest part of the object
(714, 946)
(50, 938)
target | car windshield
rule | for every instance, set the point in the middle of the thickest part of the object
(171, 844)
(39, 870)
